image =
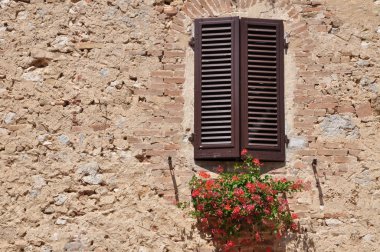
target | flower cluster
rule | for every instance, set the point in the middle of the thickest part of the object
(242, 200)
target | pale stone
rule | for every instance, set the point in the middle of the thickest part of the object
(39, 182)
(73, 246)
(333, 222)
(368, 238)
(88, 168)
(9, 117)
(337, 125)
(297, 143)
(32, 76)
(107, 200)
(60, 42)
(61, 221)
(93, 179)
(63, 139)
(60, 199)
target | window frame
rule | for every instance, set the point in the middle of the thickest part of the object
(239, 93)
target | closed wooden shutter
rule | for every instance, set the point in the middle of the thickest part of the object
(262, 88)
(216, 102)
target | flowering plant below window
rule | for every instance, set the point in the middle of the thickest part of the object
(242, 200)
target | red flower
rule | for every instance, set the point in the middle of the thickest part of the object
(200, 207)
(283, 180)
(294, 226)
(250, 208)
(230, 244)
(219, 213)
(204, 174)
(298, 185)
(195, 193)
(244, 152)
(257, 236)
(270, 199)
(238, 192)
(257, 162)
(236, 210)
(251, 187)
(235, 178)
(219, 169)
(268, 249)
(209, 184)
(204, 221)
(294, 216)
(266, 211)
(227, 207)
(255, 197)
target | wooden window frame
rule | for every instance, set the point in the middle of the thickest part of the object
(239, 94)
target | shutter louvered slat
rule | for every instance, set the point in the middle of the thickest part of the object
(216, 88)
(262, 88)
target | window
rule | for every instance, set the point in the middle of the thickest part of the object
(239, 88)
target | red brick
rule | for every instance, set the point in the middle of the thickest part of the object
(161, 153)
(178, 28)
(310, 152)
(332, 152)
(77, 128)
(322, 105)
(321, 28)
(177, 80)
(99, 126)
(334, 145)
(207, 7)
(319, 112)
(170, 92)
(346, 109)
(300, 30)
(156, 80)
(153, 92)
(174, 53)
(155, 52)
(179, 73)
(172, 147)
(132, 139)
(162, 73)
(363, 110)
(304, 112)
(341, 159)
(302, 125)
(174, 67)
(302, 98)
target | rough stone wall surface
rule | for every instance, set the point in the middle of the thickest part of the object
(96, 95)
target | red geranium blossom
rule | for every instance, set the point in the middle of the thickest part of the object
(195, 193)
(230, 244)
(257, 162)
(244, 152)
(227, 207)
(204, 174)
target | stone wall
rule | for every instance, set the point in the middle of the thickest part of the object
(96, 95)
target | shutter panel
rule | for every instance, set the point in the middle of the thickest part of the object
(216, 101)
(262, 88)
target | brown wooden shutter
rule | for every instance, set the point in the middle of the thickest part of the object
(262, 88)
(216, 102)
